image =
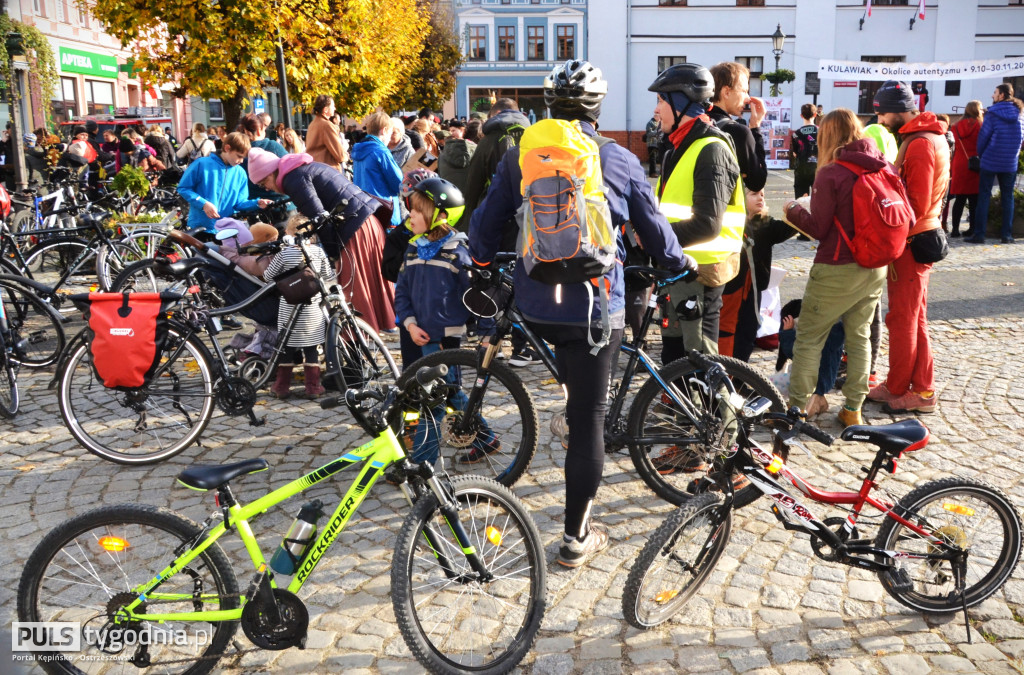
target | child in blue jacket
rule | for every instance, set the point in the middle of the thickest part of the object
(428, 301)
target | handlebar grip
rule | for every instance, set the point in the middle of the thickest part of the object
(330, 402)
(699, 360)
(425, 376)
(814, 432)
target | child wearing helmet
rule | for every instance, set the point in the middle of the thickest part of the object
(428, 300)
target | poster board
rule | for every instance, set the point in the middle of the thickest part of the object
(775, 130)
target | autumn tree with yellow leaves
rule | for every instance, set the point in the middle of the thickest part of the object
(362, 52)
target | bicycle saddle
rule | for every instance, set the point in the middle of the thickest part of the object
(207, 476)
(183, 268)
(892, 438)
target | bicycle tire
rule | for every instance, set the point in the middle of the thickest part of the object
(153, 535)
(34, 326)
(147, 276)
(50, 259)
(999, 545)
(649, 599)
(348, 365)
(506, 410)
(105, 423)
(8, 384)
(645, 421)
(133, 247)
(503, 615)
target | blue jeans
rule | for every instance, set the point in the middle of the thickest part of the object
(831, 355)
(427, 438)
(985, 183)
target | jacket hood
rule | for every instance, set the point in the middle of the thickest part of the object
(367, 147)
(503, 120)
(926, 121)
(864, 153)
(289, 162)
(1004, 110)
(457, 152)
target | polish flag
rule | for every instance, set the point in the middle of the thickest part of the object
(869, 7)
(920, 10)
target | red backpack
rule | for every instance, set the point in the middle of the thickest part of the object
(882, 217)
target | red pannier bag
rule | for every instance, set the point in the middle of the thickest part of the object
(128, 333)
(882, 217)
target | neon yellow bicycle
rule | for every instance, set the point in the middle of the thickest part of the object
(153, 591)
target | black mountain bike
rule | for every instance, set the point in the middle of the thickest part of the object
(673, 419)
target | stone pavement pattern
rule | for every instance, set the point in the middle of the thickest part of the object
(770, 606)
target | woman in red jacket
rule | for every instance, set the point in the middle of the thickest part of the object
(964, 185)
(837, 288)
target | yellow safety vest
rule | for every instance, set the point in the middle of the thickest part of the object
(677, 204)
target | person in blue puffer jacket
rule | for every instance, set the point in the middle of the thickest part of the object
(216, 186)
(999, 144)
(374, 168)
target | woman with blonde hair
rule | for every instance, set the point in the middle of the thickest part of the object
(837, 288)
(429, 140)
(291, 141)
(963, 187)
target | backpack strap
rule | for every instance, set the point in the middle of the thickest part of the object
(842, 233)
(901, 155)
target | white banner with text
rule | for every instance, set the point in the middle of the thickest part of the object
(940, 70)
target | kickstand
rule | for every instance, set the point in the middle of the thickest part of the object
(960, 566)
(256, 421)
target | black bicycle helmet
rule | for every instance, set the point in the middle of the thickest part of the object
(683, 84)
(575, 90)
(446, 197)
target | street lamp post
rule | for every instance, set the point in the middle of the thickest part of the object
(778, 39)
(16, 47)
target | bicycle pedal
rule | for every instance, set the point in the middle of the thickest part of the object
(898, 580)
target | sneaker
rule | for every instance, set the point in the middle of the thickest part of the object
(575, 553)
(880, 394)
(848, 418)
(1007, 240)
(559, 429)
(912, 401)
(675, 458)
(873, 380)
(480, 450)
(523, 358)
(231, 322)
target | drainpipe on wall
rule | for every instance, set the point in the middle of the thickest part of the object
(629, 54)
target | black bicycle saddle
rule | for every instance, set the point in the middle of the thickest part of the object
(893, 438)
(207, 476)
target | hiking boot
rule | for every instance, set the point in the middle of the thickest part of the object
(880, 394)
(480, 450)
(522, 358)
(311, 376)
(282, 383)
(912, 401)
(816, 405)
(674, 458)
(576, 552)
(848, 418)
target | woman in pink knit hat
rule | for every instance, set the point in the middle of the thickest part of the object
(356, 241)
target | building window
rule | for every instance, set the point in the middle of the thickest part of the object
(478, 43)
(672, 3)
(535, 43)
(60, 10)
(666, 61)
(216, 109)
(83, 16)
(750, 3)
(99, 97)
(506, 43)
(755, 64)
(892, 3)
(868, 88)
(1017, 3)
(952, 87)
(566, 42)
(39, 7)
(65, 101)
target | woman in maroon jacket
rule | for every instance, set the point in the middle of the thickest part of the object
(964, 185)
(837, 288)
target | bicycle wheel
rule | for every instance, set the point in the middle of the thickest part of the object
(35, 330)
(8, 383)
(355, 364)
(115, 257)
(670, 466)
(451, 622)
(147, 276)
(89, 566)
(501, 439)
(70, 257)
(144, 425)
(676, 561)
(966, 514)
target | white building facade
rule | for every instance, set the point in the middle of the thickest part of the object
(633, 40)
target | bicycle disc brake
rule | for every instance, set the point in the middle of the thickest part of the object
(235, 396)
(451, 437)
(291, 632)
(822, 549)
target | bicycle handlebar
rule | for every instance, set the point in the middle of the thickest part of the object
(810, 430)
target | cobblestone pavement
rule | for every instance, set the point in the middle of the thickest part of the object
(770, 607)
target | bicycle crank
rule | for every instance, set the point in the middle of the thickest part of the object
(822, 549)
(290, 632)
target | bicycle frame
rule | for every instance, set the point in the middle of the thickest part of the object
(377, 455)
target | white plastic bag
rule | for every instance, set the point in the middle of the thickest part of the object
(771, 304)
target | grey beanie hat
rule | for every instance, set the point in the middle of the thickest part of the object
(894, 97)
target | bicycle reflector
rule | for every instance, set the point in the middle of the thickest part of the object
(493, 535)
(113, 544)
(959, 509)
(665, 596)
(775, 465)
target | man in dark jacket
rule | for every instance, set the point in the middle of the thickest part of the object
(732, 94)
(453, 165)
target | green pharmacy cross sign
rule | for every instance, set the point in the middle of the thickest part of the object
(88, 63)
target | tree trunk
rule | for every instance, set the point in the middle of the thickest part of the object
(233, 109)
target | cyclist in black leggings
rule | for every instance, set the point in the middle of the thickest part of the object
(574, 91)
